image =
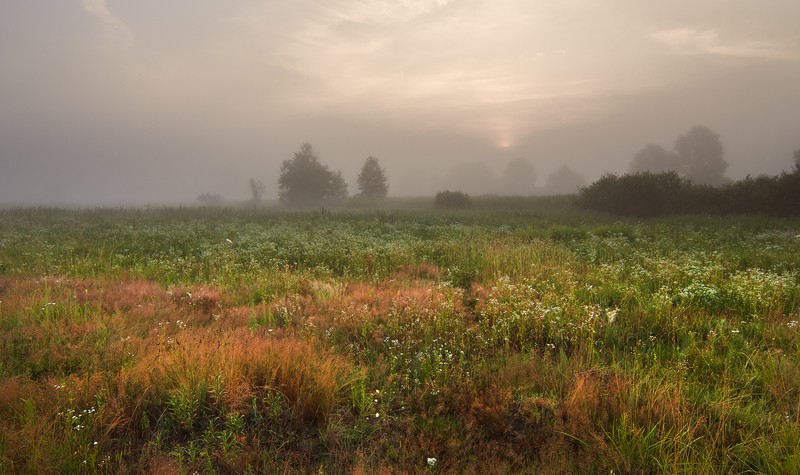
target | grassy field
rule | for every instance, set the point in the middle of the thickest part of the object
(493, 341)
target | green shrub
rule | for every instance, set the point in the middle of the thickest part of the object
(452, 200)
(638, 194)
(656, 194)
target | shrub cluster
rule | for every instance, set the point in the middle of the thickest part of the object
(452, 200)
(654, 194)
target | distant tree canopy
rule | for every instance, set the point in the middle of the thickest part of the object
(338, 187)
(565, 180)
(797, 161)
(654, 159)
(305, 181)
(697, 155)
(701, 157)
(518, 178)
(372, 182)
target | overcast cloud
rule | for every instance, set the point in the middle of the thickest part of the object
(114, 101)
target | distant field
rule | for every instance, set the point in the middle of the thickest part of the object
(535, 339)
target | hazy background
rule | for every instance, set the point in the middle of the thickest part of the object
(145, 101)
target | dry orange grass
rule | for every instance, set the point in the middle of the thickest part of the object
(236, 367)
(363, 303)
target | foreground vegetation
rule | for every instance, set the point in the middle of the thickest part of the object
(236, 341)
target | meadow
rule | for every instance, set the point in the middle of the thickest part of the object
(533, 339)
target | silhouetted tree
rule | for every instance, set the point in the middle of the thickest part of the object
(564, 181)
(304, 181)
(701, 157)
(797, 161)
(519, 178)
(338, 187)
(256, 190)
(654, 159)
(372, 180)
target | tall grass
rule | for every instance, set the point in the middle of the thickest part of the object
(183, 340)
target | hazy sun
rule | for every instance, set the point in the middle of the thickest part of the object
(505, 142)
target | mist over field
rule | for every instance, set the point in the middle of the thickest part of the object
(109, 102)
(399, 236)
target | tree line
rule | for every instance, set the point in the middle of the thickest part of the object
(305, 181)
(648, 194)
(689, 178)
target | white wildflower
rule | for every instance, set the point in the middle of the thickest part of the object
(612, 315)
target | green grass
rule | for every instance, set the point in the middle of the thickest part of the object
(520, 336)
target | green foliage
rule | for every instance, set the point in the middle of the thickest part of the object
(647, 195)
(497, 339)
(771, 195)
(452, 200)
(305, 181)
(372, 181)
(641, 194)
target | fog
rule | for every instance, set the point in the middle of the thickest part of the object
(135, 102)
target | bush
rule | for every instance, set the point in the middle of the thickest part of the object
(655, 194)
(639, 194)
(778, 195)
(452, 200)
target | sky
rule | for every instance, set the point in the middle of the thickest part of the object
(145, 101)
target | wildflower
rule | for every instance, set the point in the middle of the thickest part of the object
(431, 462)
(377, 415)
(612, 315)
